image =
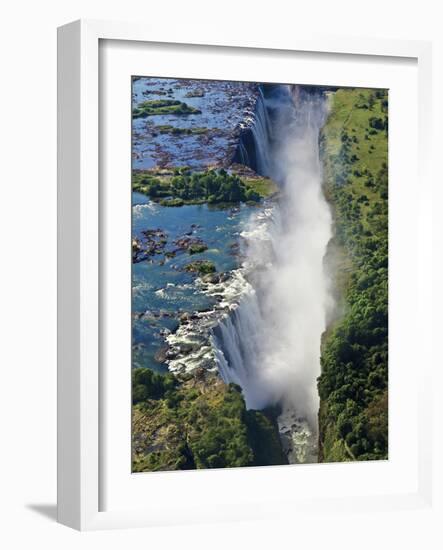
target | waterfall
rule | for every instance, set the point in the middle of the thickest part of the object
(261, 130)
(255, 142)
(237, 349)
(270, 343)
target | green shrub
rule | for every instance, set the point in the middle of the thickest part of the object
(197, 248)
(202, 267)
(147, 384)
(163, 107)
(202, 425)
(212, 186)
(172, 202)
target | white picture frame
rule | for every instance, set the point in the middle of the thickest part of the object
(79, 257)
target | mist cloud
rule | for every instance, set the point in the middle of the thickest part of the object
(271, 342)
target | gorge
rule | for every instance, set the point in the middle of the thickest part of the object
(270, 344)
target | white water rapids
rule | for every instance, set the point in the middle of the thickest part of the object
(270, 343)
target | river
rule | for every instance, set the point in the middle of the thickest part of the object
(259, 324)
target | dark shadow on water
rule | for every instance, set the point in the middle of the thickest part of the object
(48, 511)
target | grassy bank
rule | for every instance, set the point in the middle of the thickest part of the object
(197, 422)
(353, 386)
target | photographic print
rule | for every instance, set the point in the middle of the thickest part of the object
(259, 274)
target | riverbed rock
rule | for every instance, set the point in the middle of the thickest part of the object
(211, 278)
(161, 354)
(226, 109)
(150, 243)
(202, 267)
(193, 245)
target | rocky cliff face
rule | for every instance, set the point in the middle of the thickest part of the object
(202, 423)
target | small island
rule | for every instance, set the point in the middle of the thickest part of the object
(163, 107)
(184, 186)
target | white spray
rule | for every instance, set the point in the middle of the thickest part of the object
(270, 345)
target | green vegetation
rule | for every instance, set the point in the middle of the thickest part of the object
(147, 384)
(198, 423)
(264, 187)
(152, 185)
(172, 202)
(174, 130)
(353, 385)
(195, 93)
(264, 438)
(163, 107)
(197, 248)
(202, 267)
(212, 187)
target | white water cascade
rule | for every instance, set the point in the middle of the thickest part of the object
(270, 343)
(257, 156)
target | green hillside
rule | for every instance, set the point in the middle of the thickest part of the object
(353, 385)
